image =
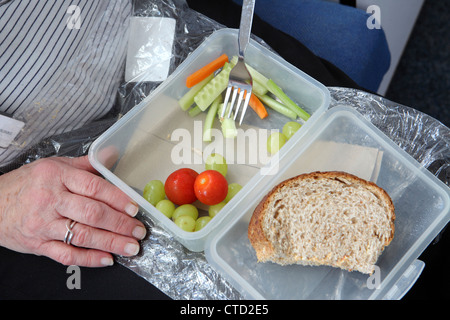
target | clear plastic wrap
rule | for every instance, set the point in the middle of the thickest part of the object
(191, 29)
(164, 262)
(423, 137)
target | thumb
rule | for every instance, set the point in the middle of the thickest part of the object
(107, 157)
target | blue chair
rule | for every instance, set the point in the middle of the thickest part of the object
(334, 32)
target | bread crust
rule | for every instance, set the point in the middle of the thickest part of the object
(263, 247)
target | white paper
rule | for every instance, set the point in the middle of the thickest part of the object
(364, 162)
(9, 129)
(149, 49)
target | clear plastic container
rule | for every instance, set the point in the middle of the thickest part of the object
(341, 140)
(142, 146)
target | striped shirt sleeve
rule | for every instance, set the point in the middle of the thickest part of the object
(55, 74)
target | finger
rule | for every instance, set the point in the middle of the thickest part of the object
(70, 255)
(107, 157)
(90, 185)
(82, 163)
(99, 215)
(92, 238)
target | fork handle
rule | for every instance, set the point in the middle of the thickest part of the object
(245, 25)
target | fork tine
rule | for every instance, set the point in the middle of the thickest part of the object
(233, 99)
(246, 102)
(239, 102)
(225, 101)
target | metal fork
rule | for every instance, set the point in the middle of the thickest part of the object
(240, 81)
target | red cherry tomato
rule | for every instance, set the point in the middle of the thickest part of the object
(211, 187)
(179, 186)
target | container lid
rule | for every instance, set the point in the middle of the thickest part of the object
(340, 140)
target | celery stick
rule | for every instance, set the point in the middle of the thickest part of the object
(258, 88)
(278, 92)
(275, 105)
(257, 76)
(209, 121)
(214, 88)
(195, 111)
(187, 99)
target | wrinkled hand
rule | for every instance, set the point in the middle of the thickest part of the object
(37, 200)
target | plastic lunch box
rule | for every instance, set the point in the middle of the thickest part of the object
(145, 145)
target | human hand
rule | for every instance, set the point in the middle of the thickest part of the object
(39, 199)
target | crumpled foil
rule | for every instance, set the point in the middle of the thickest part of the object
(182, 274)
(178, 272)
(424, 138)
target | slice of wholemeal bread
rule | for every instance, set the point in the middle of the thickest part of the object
(323, 218)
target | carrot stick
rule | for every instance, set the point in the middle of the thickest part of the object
(257, 105)
(205, 71)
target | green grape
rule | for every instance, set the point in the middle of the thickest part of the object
(202, 222)
(233, 188)
(217, 162)
(275, 142)
(185, 210)
(214, 209)
(154, 192)
(167, 207)
(186, 223)
(290, 128)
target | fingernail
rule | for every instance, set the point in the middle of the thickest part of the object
(131, 209)
(107, 262)
(139, 232)
(132, 249)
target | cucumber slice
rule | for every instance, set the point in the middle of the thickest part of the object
(229, 128)
(187, 99)
(228, 124)
(213, 89)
